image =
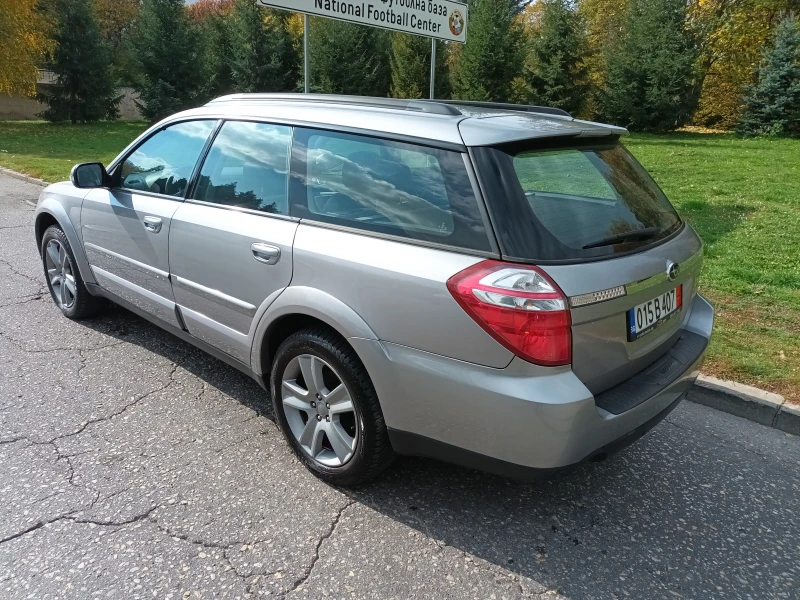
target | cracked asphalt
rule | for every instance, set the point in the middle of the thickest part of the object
(134, 466)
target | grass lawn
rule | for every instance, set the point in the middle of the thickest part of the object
(742, 196)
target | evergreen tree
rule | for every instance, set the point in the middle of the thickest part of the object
(772, 103)
(410, 63)
(651, 81)
(215, 33)
(173, 76)
(84, 90)
(556, 71)
(488, 64)
(347, 58)
(262, 57)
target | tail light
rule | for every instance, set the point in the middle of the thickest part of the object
(520, 307)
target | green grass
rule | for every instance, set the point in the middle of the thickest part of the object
(50, 151)
(742, 196)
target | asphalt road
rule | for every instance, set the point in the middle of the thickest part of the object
(134, 466)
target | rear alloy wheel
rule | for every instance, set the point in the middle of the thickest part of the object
(327, 407)
(319, 410)
(64, 279)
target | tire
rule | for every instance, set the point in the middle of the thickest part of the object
(59, 264)
(370, 448)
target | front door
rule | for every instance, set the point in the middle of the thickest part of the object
(230, 248)
(126, 228)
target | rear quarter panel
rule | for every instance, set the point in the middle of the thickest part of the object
(398, 289)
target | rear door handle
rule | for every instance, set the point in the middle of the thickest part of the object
(152, 224)
(265, 253)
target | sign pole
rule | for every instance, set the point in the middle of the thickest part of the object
(306, 60)
(433, 67)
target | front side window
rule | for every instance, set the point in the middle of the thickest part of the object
(573, 203)
(247, 167)
(163, 164)
(388, 187)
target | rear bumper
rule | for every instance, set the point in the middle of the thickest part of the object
(520, 421)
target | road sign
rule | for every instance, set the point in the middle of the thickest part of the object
(441, 19)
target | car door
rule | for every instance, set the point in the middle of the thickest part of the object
(126, 228)
(230, 248)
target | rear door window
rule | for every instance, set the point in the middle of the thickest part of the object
(387, 187)
(247, 167)
(573, 203)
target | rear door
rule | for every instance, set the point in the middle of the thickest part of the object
(596, 222)
(126, 228)
(230, 246)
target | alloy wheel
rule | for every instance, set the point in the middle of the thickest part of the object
(319, 410)
(60, 273)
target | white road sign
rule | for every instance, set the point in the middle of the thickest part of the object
(443, 19)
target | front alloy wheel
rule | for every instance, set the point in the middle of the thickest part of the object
(60, 274)
(319, 410)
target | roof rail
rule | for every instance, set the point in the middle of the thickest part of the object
(544, 110)
(430, 107)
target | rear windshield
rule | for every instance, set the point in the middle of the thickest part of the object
(573, 203)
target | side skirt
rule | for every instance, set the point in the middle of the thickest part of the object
(96, 290)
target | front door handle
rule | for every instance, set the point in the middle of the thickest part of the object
(152, 224)
(265, 253)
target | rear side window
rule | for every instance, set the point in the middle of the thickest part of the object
(573, 203)
(247, 167)
(387, 187)
(164, 163)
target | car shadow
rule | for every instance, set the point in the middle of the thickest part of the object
(665, 518)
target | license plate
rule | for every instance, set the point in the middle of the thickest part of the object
(647, 316)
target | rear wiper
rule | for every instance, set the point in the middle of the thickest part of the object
(639, 234)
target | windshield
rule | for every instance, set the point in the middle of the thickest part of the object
(572, 203)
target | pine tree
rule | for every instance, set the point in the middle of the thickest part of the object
(556, 73)
(488, 64)
(410, 62)
(651, 82)
(173, 76)
(772, 103)
(262, 57)
(347, 58)
(84, 90)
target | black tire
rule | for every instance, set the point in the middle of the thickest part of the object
(373, 452)
(84, 305)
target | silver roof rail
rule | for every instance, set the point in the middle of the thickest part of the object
(426, 106)
(544, 110)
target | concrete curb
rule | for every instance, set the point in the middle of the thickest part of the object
(23, 177)
(747, 402)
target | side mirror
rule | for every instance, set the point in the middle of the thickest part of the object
(89, 175)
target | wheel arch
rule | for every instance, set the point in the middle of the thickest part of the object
(298, 308)
(51, 212)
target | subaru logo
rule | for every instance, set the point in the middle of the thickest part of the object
(672, 270)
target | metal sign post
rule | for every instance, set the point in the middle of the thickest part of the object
(433, 67)
(436, 19)
(306, 60)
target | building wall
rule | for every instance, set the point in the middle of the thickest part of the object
(17, 108)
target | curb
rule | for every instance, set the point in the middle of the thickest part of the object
(747, 402)
(23, 177)
(731, 397)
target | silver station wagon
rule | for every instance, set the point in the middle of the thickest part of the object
(499, 286)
